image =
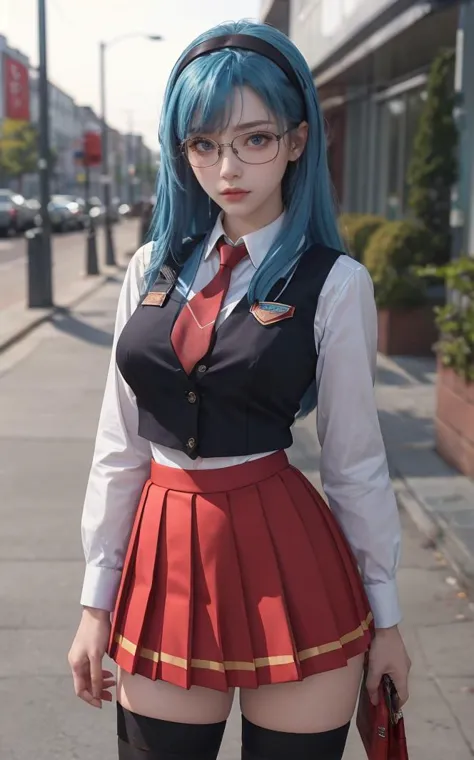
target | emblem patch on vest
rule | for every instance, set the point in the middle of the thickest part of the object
(153, 298)
(269, 312)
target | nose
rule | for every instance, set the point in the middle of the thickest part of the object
(230, 164)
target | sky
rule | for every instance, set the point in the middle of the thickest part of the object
(137, 69)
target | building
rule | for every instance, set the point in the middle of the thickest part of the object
(129, 157)
(65, 131)
(370, 60)
(14, 96)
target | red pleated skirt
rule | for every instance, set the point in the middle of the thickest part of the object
(237, 577)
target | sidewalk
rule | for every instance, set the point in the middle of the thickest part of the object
(438, 498)
(70, 283)
(51, 385)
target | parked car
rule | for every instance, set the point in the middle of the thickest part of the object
(14, 214)
(61, 216)
(124, 209)
(32, 213)
(77, 211)
(97, 210)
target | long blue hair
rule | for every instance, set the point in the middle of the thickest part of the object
(204, 88)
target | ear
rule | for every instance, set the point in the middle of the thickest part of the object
(298, 138)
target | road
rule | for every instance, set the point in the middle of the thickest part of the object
(69, 254)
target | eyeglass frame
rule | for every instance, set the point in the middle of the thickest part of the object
(220, 146)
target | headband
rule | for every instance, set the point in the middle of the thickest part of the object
(244, 42)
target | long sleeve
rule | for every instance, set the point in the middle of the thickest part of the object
(354, 468)
(120, 467)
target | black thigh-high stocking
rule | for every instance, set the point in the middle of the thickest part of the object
(262, 744)
(143, 738)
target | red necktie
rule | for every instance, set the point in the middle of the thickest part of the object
(193, 329)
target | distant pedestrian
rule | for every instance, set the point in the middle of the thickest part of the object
(241, 314)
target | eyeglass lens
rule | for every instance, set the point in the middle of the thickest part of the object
(251, 148)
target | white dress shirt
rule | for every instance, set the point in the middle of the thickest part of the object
(354, 469)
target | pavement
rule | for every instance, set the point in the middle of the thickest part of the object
(51, 385)
(70, 282)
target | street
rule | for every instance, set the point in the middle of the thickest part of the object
(69, 257)
(51, 386)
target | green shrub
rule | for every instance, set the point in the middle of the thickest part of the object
(357, 229)
(455, 321)
(394, 253)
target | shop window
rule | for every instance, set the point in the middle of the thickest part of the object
(396, 114)
(398, 120)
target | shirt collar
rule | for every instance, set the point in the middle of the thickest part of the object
(258, 243)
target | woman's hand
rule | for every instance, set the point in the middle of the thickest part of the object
(388, 655)
(91, 683)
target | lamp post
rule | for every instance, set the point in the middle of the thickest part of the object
(40, 286)
(109, 243)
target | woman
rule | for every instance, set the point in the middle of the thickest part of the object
(240, 315)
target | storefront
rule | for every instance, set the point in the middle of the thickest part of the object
(370, 60)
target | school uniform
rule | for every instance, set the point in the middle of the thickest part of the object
(232, 570)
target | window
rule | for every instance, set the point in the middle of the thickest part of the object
(394, 119)
(398, 120)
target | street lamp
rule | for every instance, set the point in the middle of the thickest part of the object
(109, 244)
(40, 285)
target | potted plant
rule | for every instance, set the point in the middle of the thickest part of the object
(454, 421)
(406, 320)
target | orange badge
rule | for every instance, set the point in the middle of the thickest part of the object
(269, 312)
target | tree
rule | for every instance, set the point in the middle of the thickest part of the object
(433, 169)
(18, 150)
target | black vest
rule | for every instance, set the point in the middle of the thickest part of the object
(242, 397)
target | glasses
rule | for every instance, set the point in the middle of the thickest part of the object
(250, 148)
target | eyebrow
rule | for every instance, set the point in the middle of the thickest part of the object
(251, 124)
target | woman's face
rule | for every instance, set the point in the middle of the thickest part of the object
(261, 200)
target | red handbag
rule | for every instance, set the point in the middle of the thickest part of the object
(382, 727)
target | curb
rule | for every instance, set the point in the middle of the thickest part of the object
(47, 314)
(437, 531)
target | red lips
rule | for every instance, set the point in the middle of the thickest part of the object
(234, 191)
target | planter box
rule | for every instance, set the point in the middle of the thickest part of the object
(410, 332)
(454, 422)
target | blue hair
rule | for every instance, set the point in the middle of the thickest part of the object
(203, 91)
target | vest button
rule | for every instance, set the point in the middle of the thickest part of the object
(191, 443)
(202, 368)
(192, 398)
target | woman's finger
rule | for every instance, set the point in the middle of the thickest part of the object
(372, 683)
(96, 675)
(401, 685)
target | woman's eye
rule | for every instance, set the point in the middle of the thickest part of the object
(202, 146)
(257, 140)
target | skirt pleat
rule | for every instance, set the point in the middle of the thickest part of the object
(239, 577)
(345, 574)
(268, 623)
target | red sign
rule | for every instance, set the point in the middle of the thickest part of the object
(17, 90)
(92, 149)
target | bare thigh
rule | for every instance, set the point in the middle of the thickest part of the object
(319, 703)
(158, 699)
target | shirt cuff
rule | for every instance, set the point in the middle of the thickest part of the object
(100, 587)
(383, 599)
